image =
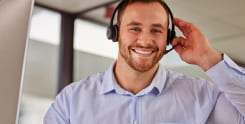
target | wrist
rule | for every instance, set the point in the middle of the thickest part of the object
(210, 59)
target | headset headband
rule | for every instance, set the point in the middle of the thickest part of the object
(115, 11)
(163, 3)
(113, 30)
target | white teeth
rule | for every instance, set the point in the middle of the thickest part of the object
(143, 52)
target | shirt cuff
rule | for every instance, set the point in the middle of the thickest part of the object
(225, 70)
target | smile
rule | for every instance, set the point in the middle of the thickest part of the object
(143, 52)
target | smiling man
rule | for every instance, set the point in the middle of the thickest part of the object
(136, 89)
(142, 42)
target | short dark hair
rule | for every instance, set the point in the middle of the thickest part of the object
(127, 2)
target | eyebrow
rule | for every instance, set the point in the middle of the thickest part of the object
(134, 24)
(158, 26)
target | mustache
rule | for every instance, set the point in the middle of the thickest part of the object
(147, 46)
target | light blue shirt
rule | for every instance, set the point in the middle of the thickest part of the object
(171, 98)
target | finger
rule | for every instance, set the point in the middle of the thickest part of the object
(179, 49)
(180, 23)
(179, 43)
(185, 27)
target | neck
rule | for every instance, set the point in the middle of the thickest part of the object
(132, 80)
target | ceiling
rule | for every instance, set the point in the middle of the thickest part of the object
(222, 21)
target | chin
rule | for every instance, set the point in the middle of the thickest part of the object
(142, 67)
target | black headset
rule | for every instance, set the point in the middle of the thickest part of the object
(113, 30)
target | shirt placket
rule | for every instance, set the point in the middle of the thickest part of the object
(134, 110)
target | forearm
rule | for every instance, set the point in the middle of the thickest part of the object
(230, 79)
(225, 113)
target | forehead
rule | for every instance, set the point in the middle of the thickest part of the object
(152, 12)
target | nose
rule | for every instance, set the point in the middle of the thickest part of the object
(145, 38)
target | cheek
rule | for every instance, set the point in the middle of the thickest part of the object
(161, 41)
(127, 38)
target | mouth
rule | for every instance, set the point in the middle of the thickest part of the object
(146, 52)
(143, 52)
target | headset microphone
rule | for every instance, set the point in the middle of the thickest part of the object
(167, 51)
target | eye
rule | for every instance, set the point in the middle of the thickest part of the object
(135, 29)
(156, 31)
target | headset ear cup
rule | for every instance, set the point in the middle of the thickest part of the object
(112, 33)
(116, 33)
(109, 32)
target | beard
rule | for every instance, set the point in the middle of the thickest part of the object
(144, 64)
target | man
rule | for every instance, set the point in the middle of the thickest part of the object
(137, 90)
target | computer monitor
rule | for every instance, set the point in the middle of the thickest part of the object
(14, 24)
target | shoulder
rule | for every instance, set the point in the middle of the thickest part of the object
(176, 77)
(91, 83)
(198, 87)
(86, 86)
(75, 94)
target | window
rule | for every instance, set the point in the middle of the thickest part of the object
(93, 52)
(41, 71)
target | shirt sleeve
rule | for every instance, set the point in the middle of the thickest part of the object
(59, 111)
(230, 80)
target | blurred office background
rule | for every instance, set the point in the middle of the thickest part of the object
(220, 20)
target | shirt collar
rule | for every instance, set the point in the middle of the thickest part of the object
(157, 83)
(109, 83)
